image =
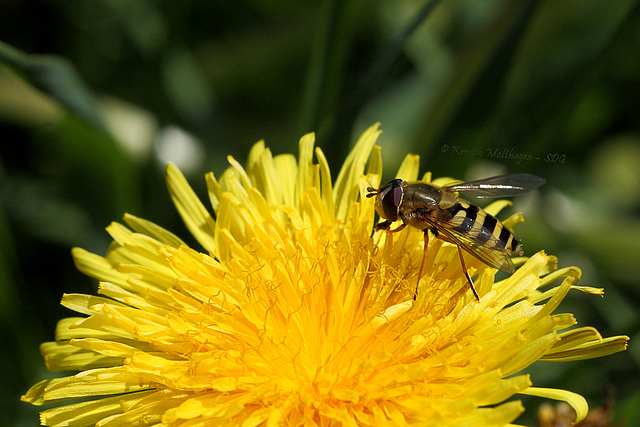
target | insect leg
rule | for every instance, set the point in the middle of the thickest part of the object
(386, 225)
(398, 228)
(464, 268)
(424, 254)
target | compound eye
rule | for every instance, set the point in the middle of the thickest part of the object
(390, 198)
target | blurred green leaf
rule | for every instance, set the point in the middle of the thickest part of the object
(56, 77)
(551, 79)
(372, 77)
(470, 100)
(628, 411)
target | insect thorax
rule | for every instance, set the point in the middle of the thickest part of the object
(420, 196)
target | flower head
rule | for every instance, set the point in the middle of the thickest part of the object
(296, 314)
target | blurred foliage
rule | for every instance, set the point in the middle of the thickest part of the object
(96, 95)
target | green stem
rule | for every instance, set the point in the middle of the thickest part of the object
(350, 107)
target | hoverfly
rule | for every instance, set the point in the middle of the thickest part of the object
(438, 210)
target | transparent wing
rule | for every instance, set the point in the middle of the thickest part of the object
(492, 252)
(498, 186)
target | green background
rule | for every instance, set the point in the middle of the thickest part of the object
(96, 96)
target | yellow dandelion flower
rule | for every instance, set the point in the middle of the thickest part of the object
(297, 314)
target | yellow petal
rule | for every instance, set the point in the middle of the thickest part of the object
(346, 188)
(409, 168)
(577, 402)
(195, 216)
(148, 228)
(585, 343)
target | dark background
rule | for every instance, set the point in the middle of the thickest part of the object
(97, 95)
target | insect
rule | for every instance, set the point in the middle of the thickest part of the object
(440, 211)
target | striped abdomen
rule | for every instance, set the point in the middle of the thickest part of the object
(482, 228)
